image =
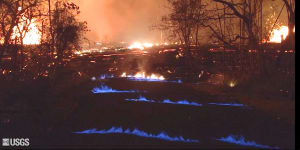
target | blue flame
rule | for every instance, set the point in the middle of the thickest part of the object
(241, 141)
(132, 78)
(106, 76)
(145, 79)
(227, 104)
(141, 99)
(182, 102)
(166, 101)
(106, 89)
(137, 132)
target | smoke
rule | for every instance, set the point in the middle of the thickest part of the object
(121, 20)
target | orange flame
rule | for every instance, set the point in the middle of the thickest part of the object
(141, 46)
(144, 76)
(136, 45)
(278, 35)
(33, 36)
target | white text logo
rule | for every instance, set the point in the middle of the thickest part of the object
(15, 142)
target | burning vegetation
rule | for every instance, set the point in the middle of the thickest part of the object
(143, 76)
(201, 63)
(279, 35)
(30, 37)
(38, 37)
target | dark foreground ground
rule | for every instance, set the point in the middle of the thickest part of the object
(49, 113)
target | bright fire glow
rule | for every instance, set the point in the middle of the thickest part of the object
(232, 84)
(88, 51)
(123, 74)
(280, 34)
(33, 36)
(143, 76)
(153, 76)
(136, 45)
(147, 45)
(141, 46)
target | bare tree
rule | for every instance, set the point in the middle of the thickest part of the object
(245, 10)
(67, 30)
(11, 12)
(184, 21)
(59, 28)
(290, 7)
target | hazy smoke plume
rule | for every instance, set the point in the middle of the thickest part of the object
(121, 20)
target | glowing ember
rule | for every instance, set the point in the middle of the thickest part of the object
(33, 36)
(87, 51)
(124, 75)
(280, 34)
(232, 84)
